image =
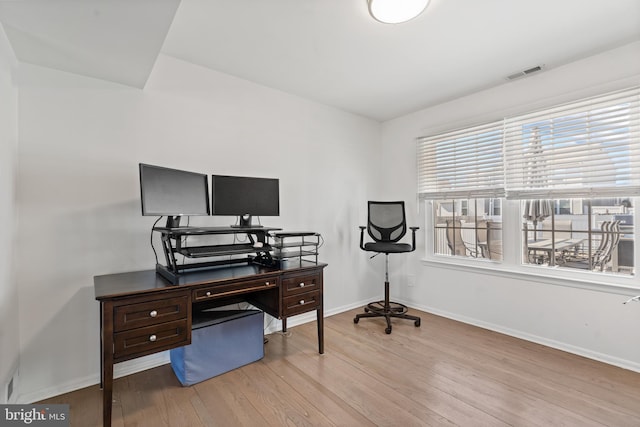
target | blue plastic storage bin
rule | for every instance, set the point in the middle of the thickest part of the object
(220, 342)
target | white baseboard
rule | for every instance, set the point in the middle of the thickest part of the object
(120, 370)
(348, 307)
(580, 351)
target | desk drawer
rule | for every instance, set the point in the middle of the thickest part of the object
(300, 284)
(228, 289)
(150, 312)
(301, 303)
(151, 339)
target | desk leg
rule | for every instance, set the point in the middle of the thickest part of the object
(107, 362)
(101, 350)
(320, 321)
(284, 324)
(107, 394)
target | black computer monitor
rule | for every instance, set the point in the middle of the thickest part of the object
(173, 193)
(245, 197)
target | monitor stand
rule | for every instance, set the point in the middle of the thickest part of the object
(244, 221)
(173, 222)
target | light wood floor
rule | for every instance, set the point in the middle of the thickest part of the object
(442, 373)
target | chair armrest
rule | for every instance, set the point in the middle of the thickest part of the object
(362, 228)
(413, 237)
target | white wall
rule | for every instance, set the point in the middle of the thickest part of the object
(583, 321)
(9, 338)
(78, 195)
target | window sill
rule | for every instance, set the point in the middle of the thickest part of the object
(604, 282)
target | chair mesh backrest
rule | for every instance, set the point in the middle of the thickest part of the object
(387, 222)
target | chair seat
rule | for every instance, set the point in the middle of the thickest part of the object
(387, 248)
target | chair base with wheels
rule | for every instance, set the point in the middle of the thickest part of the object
(386, 308)
(386, 226)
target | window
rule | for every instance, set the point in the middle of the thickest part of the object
(589, 149)
(469, 232)
(462, 164)
(463, 171)
(573, 170)
(589, 235)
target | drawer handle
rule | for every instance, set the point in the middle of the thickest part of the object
(301, 302)
(301, 285)
(153, 313)
(267, 283)
(152, 338)
(208, 294)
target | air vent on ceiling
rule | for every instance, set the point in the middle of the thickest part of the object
(526, 72)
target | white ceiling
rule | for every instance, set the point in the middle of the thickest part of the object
(329, 51)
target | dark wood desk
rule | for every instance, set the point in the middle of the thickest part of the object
(141, 313)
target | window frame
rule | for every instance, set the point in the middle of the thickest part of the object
(511, 265)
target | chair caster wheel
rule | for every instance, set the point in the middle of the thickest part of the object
(356, 320)
(388, 330)
(417, 323)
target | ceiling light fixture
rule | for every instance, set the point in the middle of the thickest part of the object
(396, 11)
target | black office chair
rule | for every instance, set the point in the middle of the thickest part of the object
(386, 225)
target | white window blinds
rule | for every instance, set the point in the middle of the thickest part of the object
(587, 148)
(461, 164)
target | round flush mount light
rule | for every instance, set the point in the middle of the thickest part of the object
(396, 11)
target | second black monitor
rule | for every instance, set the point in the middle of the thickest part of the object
(245, 197)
